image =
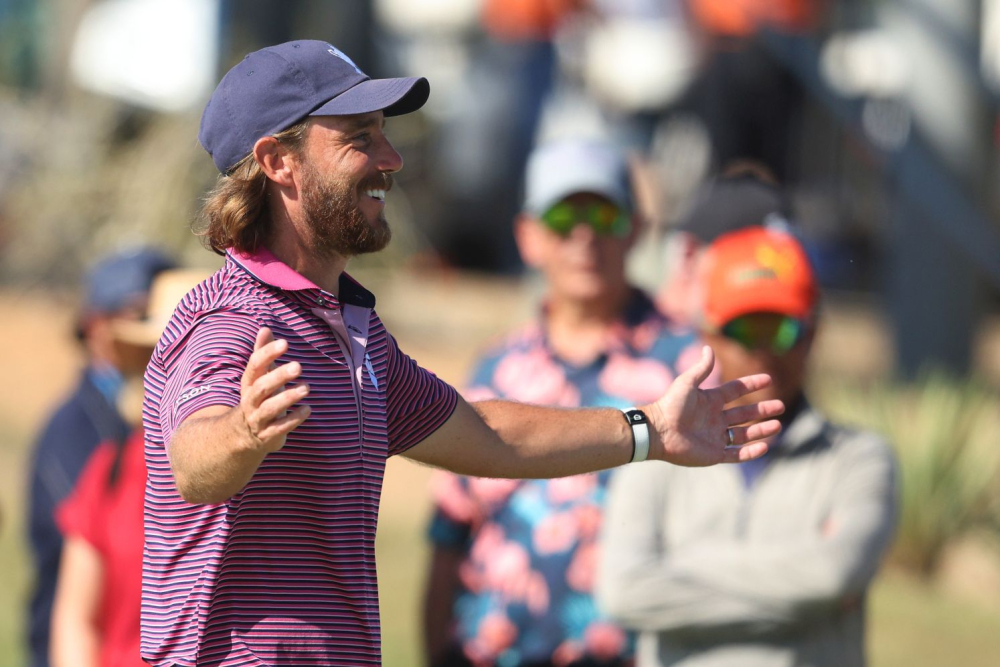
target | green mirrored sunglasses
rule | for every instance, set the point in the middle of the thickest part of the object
(764, 331)
(604, 218)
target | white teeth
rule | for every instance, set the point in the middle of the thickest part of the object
(376, 194)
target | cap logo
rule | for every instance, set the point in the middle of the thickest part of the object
(779, 263)
(334, 51)
(753, 273)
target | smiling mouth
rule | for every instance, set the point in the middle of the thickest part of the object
(376, 194)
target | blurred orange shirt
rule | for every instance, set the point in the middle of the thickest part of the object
(741, 18)
(514, 20)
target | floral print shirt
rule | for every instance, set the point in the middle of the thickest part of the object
(531, 545)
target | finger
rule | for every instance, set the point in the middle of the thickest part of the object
(734, 389)
(744, 452)
(700, 371)
(744, 434)
(286, 424)
(260, 361)
(264, 336)
(275, 407)
(273, 381)
(755, 412)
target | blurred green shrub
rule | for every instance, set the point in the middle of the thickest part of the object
(946, 433)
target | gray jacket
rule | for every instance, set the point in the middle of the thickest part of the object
(713, 574)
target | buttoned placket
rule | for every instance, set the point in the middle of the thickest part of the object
(349, 325)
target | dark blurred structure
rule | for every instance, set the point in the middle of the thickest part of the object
(922, 138)
(751, 103)
(253, 24)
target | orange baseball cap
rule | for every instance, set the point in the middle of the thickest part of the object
(757, 270)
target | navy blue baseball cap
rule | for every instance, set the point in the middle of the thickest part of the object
(274, 88)
(122, 280)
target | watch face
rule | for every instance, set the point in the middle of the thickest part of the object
(636, 416)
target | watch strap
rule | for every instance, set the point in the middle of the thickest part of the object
(640, 433)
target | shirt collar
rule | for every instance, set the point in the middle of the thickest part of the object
(268, 269)
(805, 427)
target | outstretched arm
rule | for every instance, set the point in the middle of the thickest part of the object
(688, 426)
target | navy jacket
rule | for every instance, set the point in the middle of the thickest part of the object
(69, 438)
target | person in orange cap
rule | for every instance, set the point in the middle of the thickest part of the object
(768, 562)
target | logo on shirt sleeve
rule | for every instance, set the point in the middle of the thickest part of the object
(191, 393)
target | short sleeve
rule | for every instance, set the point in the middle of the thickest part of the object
(417, 401)
(83, 511)
(207, 366)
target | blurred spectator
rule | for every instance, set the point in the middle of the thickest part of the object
(766, 562)
(750, 102)
(116, 289)
(95, 620)
(744, 195)
(513, 560)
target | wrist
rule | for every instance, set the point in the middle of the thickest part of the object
(655, 422)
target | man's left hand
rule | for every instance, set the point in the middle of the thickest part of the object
(690, 426)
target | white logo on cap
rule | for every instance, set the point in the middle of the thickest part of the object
(333, 50)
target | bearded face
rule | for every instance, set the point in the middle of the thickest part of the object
(334, 217)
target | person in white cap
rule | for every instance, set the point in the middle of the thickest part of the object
(513, 561)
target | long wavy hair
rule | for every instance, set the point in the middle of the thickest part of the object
(235, 214)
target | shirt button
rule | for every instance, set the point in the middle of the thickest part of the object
(322, 302)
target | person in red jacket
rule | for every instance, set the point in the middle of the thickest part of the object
(95, 618)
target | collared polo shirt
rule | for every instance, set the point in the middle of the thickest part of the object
(282, 573)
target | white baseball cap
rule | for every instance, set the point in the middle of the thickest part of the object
(558, 170)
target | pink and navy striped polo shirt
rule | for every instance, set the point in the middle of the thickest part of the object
(283, 573)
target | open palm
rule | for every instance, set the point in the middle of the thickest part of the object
(693, 424)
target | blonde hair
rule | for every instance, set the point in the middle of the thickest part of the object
(234, 214)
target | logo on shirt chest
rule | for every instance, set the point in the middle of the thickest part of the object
(371, 371)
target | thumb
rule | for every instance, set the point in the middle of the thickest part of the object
(700, 371)
(264, 336)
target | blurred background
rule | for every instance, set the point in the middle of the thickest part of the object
(881, 118)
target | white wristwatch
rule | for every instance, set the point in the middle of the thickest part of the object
(640, 433)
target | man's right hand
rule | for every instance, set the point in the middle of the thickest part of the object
(264, 401)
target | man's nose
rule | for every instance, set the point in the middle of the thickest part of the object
(389, 159)
(582, 232)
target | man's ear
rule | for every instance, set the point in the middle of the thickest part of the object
(529, 240)
(276, 160)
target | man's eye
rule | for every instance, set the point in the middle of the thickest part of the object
(364, 137)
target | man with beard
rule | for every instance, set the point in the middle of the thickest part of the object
(264, 480)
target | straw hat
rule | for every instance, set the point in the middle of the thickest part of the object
(167, 290)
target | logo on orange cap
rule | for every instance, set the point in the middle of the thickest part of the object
(757, 270)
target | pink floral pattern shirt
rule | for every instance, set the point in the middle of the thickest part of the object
(531, 545)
